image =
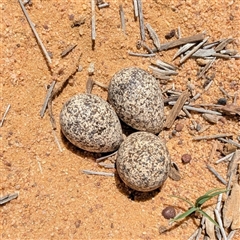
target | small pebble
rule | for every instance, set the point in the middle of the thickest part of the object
(71, 17)
(198, 127)
(171, 34)
(179, 127)
(186, 158)
(222, 101)
(138, 44)
(169, 212)
(77, 223)
(174, 132)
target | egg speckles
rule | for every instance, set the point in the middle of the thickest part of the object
(137, 99)
(143, 161)
(91, 123)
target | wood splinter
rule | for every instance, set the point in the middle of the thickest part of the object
(176, 109)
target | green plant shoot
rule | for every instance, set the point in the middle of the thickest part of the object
(198, 204)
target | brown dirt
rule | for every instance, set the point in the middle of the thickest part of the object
(60, 202)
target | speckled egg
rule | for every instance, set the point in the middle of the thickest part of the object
(137, 99)
(90, 123)
(143, 161)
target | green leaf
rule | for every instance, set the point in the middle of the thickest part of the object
(214, 190)
(208, 195)
(207, 216)
(184, 199)
(183, 215)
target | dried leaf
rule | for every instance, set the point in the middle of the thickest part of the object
(229, 109)
(210, 225)
(231, 210)
(233, 165)
(212, 118)
(174, 174)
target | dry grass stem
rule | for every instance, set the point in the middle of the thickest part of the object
(57, 141)
(191, 52)
(163, 72)
(212, 137)
(206, 68)
(50, 112)
(201, 110)
(89, 85)
(145, 46)
(4, 115)
(93, 21)
(183, 49)
(219, 220)
(107, 165)
(165, 65)
(105, 157)
(89, 172)
(102, 85)
(135, 5)
(231, 234)
(68, 50)
(35, 33)
(208, 85)
(223, 44)
(8, 198)
(217, 175)
(39, 165)
(219, 203)
(141, 21)
(153, 35)
(141, 54)
(226, 158)
(230, 142)
(103, 5)
(122, 18)
(181, 41)
(48, 96)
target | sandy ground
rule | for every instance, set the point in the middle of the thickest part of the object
(56, 200)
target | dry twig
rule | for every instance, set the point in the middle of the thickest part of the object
(181, 41)
(93, 21)
(141, 22)
(8, 198)
(211, 137)
(122, 18)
